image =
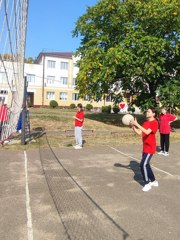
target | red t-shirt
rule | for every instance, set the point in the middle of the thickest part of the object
(164, 125)
(149, 141)
(79, 115)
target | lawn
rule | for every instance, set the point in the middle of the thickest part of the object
(99, 129)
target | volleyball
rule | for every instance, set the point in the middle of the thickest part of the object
(126, 119)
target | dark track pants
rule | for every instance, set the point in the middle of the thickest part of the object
(145, 167)
(164, 140)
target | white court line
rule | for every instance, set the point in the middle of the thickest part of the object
(158, 169)
(28, 208)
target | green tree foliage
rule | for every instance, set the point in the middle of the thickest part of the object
(29, 60)
(170, 94)
(135, 42)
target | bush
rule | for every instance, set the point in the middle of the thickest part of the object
(106, 109)
(72, 106)
(53, 104)
(131, 109)
(89, 107)
(116, 109)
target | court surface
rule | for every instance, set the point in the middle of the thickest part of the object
(94, 193)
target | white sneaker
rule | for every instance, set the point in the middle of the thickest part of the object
(161, 152)
(154, 184)
(146, 187)
(78, 147)
(166, 154)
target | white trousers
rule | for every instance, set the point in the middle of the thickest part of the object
(78, 135)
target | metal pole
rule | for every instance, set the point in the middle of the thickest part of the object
(23, 137)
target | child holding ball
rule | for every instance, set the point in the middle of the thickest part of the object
(148, 131)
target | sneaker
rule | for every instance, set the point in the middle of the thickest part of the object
(154, 184)
(74, 146)
(166, 154)
(161, 152)
(78, 147)
(146, 187)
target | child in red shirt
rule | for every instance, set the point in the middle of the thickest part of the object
(164, 128)
(148, 131)
(79, 120)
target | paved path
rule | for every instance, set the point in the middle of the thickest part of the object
(94, 193)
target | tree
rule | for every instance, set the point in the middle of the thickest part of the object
(134, 42)
(29, 60)
(170, 94)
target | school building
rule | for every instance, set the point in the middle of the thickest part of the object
(53, 77)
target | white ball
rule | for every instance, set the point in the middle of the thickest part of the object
(126, 119)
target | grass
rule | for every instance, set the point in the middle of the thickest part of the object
(107, 129)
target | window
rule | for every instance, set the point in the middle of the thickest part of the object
(2, 77)
(75, 96)
(86, 98)
(63, 81)
(50, 95)
(30, 78)
(50, 79)
(64, 65)
(63, 96)
(108, 99)
(51, 64)
(74, 82)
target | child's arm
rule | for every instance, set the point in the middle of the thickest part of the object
(136, 130)
(79, 119)
(136, 124)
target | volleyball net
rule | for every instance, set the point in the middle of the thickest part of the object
(13, 25)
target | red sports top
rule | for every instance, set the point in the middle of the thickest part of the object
(164, 125)
(79, 115)
(149, 141)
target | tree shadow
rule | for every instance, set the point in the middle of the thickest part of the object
(135, 167)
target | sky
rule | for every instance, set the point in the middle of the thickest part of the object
(50, 25)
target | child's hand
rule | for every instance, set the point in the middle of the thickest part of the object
(134, 122)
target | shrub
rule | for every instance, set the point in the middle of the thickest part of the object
(106, 109)
(53, 104)
(131, 109)
(116, 109)
(72, 106)
(89, 107)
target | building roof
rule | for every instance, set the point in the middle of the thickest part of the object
(54, 54)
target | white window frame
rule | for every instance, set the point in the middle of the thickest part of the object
(64, 65)
(75, 96)
(50, 80)
(63, 81)
(51, 64)
(63, 96)
(31, 78)
(3, 77)
(50, 95)
(74, 82)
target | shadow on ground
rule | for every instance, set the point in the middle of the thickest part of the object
(135, 167)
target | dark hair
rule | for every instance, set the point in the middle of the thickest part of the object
(165, 108)
(154, 111)
(80, 106)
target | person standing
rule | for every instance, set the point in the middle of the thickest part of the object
(79, 120)
(165, 120)
(148, 131)
(3, 114)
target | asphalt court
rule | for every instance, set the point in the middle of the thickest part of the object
(110, 175)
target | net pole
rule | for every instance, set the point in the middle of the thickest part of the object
(24, 110)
